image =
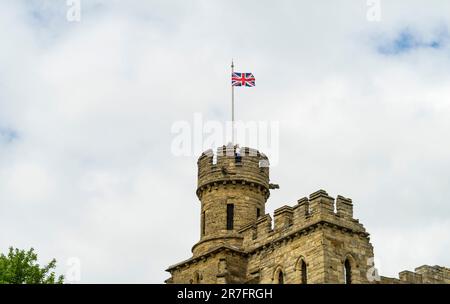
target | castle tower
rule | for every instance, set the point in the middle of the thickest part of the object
(317, 240)
(233, 187)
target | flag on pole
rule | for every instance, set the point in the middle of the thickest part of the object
(242, 79)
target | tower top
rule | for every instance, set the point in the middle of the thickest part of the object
(231, 164)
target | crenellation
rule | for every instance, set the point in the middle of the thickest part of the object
(249, 234)
(344, 207)
(424, 274)
(263, 227)
(410, 277)
(301, 210)
(321, 202)
(289, 221)
(433, 274)
(283, 218)
(238, 165)
(316, 240)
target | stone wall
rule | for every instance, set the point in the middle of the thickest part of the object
(267, 261)
(424, 274)
(219, 266)
(317, 239)
(311, 231)
(233, 176)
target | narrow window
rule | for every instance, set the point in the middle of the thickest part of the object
(258, 212)
(280, 277)
(304, 273)
(230, 216)
(203, 222)
(347, 272)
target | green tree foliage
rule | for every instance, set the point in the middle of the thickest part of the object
(21, 267)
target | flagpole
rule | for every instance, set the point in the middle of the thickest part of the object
(232, 105)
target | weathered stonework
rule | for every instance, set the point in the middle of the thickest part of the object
(422, 275)
(315, 241)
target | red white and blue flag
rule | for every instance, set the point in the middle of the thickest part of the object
(242, 79)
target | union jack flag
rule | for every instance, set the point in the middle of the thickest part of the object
(242, 79)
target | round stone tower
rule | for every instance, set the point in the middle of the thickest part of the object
(233, 187)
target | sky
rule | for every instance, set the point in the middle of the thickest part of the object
(87, 173)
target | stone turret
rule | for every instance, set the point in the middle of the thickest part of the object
(233, 187)
(317, 240)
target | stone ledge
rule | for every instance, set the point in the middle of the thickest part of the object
(205, 256)
(303, 231)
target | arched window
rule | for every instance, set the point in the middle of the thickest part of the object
(304, 272)
(280, 277)
(347, 272)
(301, 269)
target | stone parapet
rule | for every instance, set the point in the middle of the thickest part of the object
(307, 214)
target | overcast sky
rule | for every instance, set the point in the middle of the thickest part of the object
(86, 110)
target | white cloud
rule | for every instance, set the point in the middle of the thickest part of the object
(29, 182)
(89, 173)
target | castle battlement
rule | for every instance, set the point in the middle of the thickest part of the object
(231, 164)
(315, 240)
(424, 274)
(318, 210)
